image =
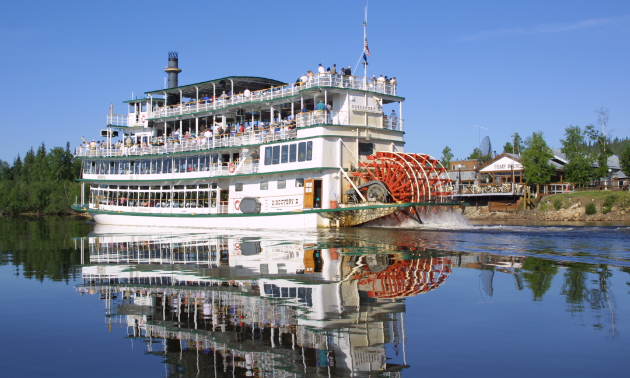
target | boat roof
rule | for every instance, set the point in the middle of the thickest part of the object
(141, 100)
(223, 84)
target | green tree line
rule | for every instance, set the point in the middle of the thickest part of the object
(43, 182)
(42, 247)
(586, 149)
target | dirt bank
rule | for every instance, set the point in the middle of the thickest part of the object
(601, 206)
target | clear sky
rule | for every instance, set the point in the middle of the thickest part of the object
(504, 65)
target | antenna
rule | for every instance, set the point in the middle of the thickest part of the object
(479, 138)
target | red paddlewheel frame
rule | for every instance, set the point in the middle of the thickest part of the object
(406, 278)
(408, 177)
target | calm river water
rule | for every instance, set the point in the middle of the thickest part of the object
(446, 300)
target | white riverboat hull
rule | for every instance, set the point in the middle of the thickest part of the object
(259, 221)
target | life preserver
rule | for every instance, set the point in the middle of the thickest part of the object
(237, 246)
(232, 168)
(142, 118)
(237, 204)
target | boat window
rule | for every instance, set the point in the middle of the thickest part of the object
(214, 185)
(144, 106)
(299, 182)
(132, 108)
(309, 151)
(168, 166)
(282, 184)
(284, 158)
(302, 151)
(292, 153)
(264, 185)
(267, 155)
(276, 155)
(366, 149)
(238, 187)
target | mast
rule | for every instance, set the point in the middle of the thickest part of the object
(366, 51)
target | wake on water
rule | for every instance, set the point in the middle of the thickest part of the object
(441, 220)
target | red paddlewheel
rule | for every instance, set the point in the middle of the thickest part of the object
(408, 177)
(406, 278)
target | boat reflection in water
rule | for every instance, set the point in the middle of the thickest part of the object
(258, 305)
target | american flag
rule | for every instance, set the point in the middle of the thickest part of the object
(367, 49)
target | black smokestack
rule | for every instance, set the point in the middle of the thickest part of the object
(172, 69)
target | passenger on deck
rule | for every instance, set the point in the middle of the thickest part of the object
(255, 159)
(320, 105)
(321, 69)
(393, 119)
(247, 94)
(223, 95)
(205, 99)
(334, 69)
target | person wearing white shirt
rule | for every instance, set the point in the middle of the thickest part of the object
(321, 69)
(246, 94)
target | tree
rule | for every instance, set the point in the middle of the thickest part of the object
(624, 160)
(600, 153)
(447, 156)
(574, 147)
(515, 148)
(538, 274)
(476, 154)
(535, 159)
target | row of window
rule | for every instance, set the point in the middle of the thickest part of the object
(193, 163)
(198, 195)
(289, 153)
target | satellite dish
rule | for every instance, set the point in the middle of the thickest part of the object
(485, 147)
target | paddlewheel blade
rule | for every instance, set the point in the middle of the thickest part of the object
(408, 177)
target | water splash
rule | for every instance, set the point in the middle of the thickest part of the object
(441, 220)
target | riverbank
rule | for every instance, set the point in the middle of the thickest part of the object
(579, 206)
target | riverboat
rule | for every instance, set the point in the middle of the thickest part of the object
(252, 152)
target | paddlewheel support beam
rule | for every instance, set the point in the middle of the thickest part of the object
(408, 177)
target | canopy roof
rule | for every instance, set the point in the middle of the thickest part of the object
(224, 84)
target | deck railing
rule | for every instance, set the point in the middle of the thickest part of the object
(162, 145)
(117, 120)
(319, 80)
(277, 132)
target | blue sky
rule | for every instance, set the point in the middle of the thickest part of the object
(505, 65)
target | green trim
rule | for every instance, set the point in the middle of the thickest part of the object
(125, 127)
(208, 178)
(142, 99)
(160, 91)
(351, 126)
(228, 148)
(312, 211)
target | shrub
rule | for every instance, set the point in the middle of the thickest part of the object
(543, 206)
(610, 201)
(591, 209)
(557, 204)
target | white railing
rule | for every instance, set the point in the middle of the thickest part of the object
(210, 170)
(464, 189)
(319, 80)
(161, 145)
(117, 120)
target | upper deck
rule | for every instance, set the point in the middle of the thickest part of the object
(242, 110)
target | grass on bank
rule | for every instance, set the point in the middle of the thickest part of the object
(606, 201)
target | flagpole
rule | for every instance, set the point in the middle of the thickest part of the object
(365, 42)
